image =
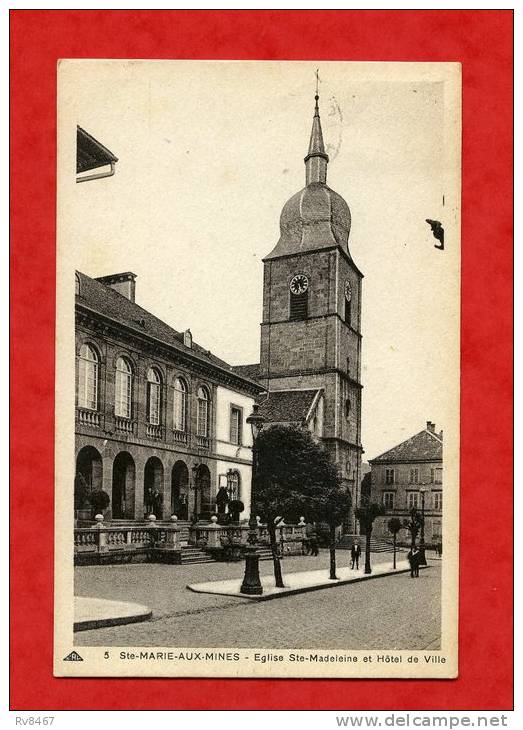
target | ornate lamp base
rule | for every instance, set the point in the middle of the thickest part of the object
(251, 585)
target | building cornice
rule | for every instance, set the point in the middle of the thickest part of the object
(314, 317)
(434, 460)
(301, 254)
(171, 448)
(308, 371)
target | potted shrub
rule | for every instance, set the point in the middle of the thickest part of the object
(236, 506)
(82, 507)
(99, 501)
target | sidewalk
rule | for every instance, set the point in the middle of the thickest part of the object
(96, 613)
(301, 582)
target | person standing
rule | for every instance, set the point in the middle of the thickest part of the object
(313, 541)
(355, 553)
(414, 558)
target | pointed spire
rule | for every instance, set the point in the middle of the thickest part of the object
(317, 159)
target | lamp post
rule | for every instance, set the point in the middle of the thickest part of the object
(423, 559)
(251, 584)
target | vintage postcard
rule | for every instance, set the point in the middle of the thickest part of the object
(258, 365)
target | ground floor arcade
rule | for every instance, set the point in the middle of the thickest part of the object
(142, 480)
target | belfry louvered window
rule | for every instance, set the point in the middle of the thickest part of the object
(299, 306)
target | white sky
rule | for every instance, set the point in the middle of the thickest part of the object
(208, 154)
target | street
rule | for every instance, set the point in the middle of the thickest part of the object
(394, 612)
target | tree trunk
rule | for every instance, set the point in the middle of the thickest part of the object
(368, 569)
(394, 547)
(332, 551)
(275, 558)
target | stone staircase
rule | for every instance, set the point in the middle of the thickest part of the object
(377, 544)
(265, 553)
(194, 556)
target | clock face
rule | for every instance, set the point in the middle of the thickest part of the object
(299, 284)
(348, 292)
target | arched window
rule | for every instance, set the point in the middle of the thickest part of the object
(202, 420)
(233, 484)
(154, 383)
(123, 387)
(88, 374)
(76, 284)
(180, 405)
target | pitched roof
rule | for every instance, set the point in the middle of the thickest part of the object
(424, 446)
(97, 297)
(286, 406)
(248, 371)
(90, 153)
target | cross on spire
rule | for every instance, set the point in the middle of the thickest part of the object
(317, 159)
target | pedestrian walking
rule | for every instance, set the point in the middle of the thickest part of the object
(313, 541)
(355, 553)
(414, 557)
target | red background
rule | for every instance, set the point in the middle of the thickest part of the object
(482, 41)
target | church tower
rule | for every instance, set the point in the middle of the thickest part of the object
(311, 328)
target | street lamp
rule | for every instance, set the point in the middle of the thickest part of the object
(251, 580)
(423, 559)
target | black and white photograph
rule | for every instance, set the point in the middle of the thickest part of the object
(258, 362)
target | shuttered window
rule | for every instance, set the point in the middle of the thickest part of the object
(236, 425)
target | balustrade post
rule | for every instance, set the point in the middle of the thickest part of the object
(102, 534)
(213, 539)
(172, 534)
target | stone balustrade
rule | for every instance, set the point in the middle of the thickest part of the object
(88, 417)
(162, 541)
(105, 541)
(212, 535)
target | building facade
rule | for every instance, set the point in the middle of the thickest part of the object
(310, 354)
(410, 475)
(160, 421)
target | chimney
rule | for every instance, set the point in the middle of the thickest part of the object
(124, 284)
(431, 427)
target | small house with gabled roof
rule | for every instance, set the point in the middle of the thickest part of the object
(407, 476)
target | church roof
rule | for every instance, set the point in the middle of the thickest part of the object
(286, 406)
(104, 300)
(248, 371)
(424, 446)
(316, 217)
